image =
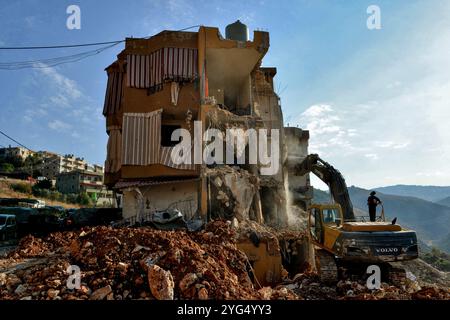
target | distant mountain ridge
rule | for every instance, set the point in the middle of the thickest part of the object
(445, 201)
(429, 193)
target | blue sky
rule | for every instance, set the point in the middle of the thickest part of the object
(376, 101)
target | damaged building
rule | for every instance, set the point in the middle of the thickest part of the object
(174, 80)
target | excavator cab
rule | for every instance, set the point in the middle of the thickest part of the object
(325, 221)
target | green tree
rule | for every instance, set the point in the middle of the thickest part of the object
(84, 199)
(17, 162)
(437, 258)
(21, 187)
(72, 198)
(6, 167)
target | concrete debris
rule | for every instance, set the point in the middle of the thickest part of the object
(2, 279)
(424, 273)
(188, 281)
(130, 263)
(144, 263)
(308, 286)
(101, 293)
(161, 283)
(233, 190)
(52, 293)
(21, 289)
(203, 294)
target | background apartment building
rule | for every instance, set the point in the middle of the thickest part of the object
(82, 181)
(54, 164)
(15, 152)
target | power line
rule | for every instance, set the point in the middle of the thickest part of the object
(62, 46)
(51, 62)
(79, 45)
(196, 26)
(1, 132)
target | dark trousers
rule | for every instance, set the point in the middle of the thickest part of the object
(373, 213)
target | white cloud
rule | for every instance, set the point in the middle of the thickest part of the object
(327, 129)
(59, 125)
(32, 114)
(60, 100)
(428, 174)
(27, 118)
(372, 156)
(65, 89)
(75, 135)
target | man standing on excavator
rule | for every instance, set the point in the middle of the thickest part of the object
(372, 202)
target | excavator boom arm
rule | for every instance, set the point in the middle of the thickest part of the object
(332, 177)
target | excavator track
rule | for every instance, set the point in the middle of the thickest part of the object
(326, 266)
(396, 275)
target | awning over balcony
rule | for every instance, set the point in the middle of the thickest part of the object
(150, 71)
(114, 93)
(141, 138)
(141, 142)
(166, 160)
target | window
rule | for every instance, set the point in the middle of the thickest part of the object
(316, 225)
(166, 135)
(331, 216)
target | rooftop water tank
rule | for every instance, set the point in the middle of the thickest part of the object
(237, 31)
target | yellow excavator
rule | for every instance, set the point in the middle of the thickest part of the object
(346, 244)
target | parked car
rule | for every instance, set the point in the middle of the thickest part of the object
(22, 202)
(92, 217)
(8, 227)
(35, 220)
(46, 220)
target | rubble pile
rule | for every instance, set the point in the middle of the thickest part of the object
(308, 286)
(144, 263)
(247, 227)
(127, 263)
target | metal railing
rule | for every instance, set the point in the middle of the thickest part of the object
(186, 207)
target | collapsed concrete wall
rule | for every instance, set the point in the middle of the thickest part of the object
(232, 193)
(267, 106)
(300, 189)
(140, 201)
(274, 202)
